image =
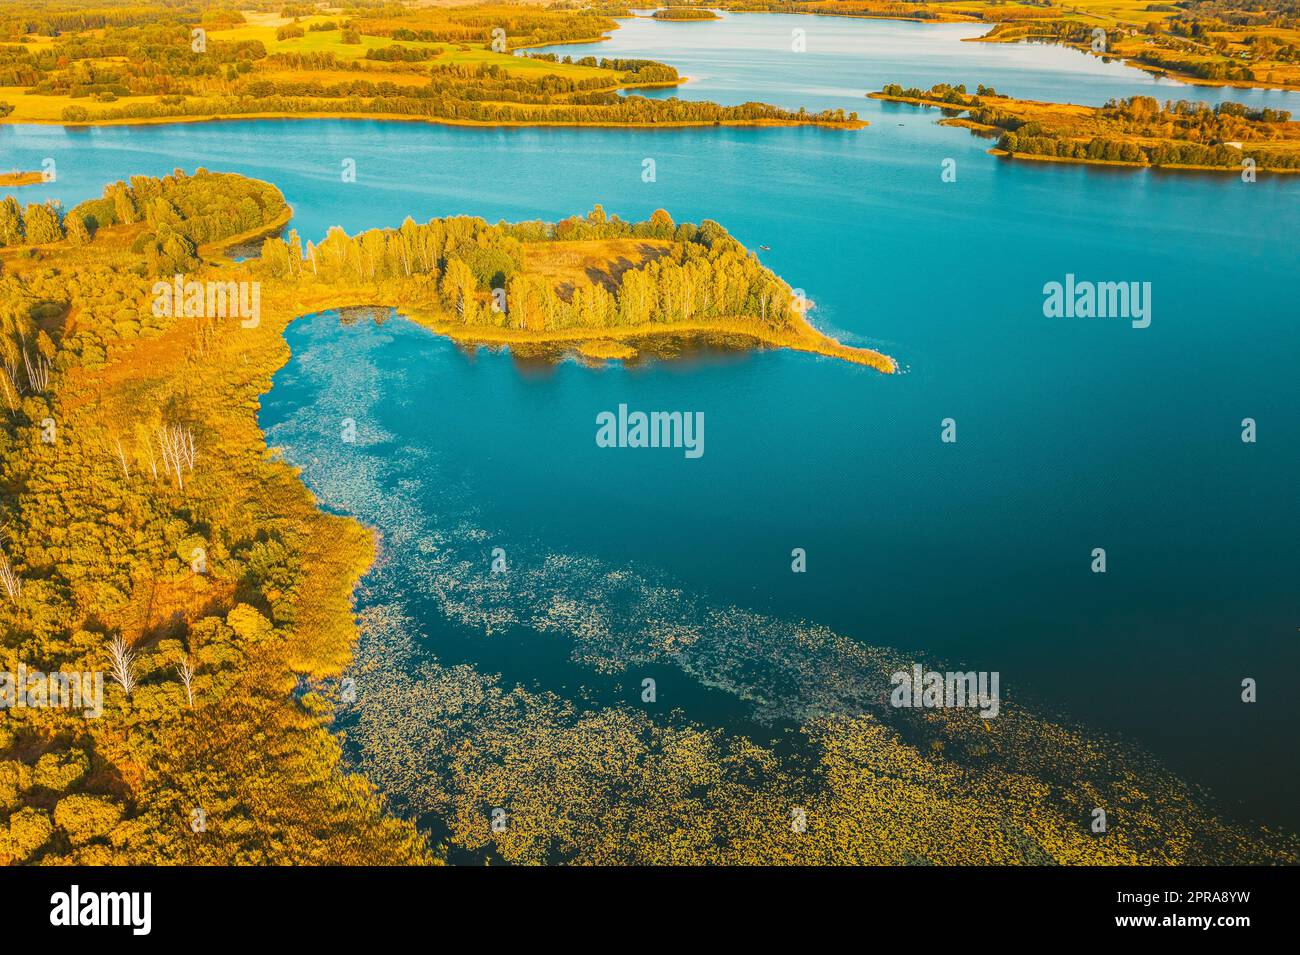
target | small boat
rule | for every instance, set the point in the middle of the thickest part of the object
(766, 248)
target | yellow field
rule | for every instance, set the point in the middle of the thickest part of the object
(330, 77)
(262, 27)
(49, 109)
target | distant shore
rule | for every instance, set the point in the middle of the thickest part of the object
(1234, 170)
(1162, 71)
(982, 129)
(434, 121)
(8, 179)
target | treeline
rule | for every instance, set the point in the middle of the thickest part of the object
(476, 272)
(483, 82)
(1167, 153)
(847, 8)
(403, 54)
(1189, 133)
(56, 17)
(163, 65)
(18, 67)
(597, 108)
(1201, 69)
(326, 60)
(1225, 118)
(1278, 13)
(940, 92)
(684, 13)
(183, 212)
(633, 70)
(523, 26)
(178, 213)
(1097, 148)
(40, 223)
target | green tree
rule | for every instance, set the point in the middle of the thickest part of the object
(78, 233)
(41, 223)
(11, 222)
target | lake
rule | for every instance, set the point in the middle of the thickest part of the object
(1072, 434)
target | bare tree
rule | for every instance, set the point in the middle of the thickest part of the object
(121, 457)
(9, 579)
(8, 383)
(143, 436)
(38, 372)
(10, 358)
(177, 446)
(185, 670)
(122, 664)
(186, 447)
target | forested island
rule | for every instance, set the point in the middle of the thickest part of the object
(1137, 131)
(684, 13)
(155, 62)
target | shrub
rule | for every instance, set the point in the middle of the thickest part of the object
(84, 818)
(59, 772)
(14, 778)
(28, 831)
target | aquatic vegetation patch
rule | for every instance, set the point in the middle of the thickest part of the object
(582, 778)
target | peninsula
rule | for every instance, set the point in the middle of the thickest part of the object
(1138, 131)
(129, 329)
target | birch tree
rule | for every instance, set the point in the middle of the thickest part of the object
(122, 664)
(185, 669)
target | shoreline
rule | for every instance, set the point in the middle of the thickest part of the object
(979, 129)
(1177, 167)
(220, 247)
(803, 338)
(434, 121)
(1187, 79)
(613, 344)
(617, 343)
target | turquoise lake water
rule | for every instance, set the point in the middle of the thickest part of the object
(1072, 433)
